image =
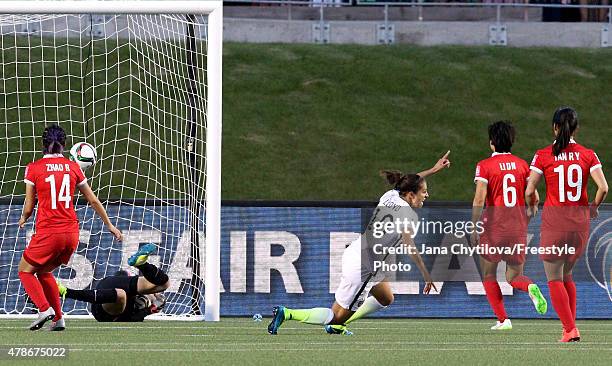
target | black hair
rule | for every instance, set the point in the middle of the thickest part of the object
(403, 183)
(501, 135)
(566, 120)
(54, 140)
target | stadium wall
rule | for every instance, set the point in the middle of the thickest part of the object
(426, 33)
(290, 253)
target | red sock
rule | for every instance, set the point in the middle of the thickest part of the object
(521, 283)
(495, 297)
(49, 286)
(570, 287)
(561, 304)
(33, 288)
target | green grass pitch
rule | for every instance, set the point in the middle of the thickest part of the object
(311, 122)
(376, 341)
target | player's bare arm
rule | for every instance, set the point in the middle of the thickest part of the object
(416, 258)
(602, 191)
(95, 203)
(28, 206)
(531, 194)
(442, 163)
(478, 203)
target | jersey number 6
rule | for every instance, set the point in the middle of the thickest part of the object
(509, 191)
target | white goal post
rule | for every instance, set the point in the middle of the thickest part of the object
(174, 180)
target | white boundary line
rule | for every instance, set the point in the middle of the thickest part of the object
(524, 329)
(285, 349)
(349, 342)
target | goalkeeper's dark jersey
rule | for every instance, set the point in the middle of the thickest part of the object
(132, 313)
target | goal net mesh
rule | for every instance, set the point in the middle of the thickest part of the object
(133, 86)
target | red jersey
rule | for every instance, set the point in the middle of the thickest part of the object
(506, 177)
(566, 177)
(54, 178)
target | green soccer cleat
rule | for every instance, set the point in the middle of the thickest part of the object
(142, 255)
(538, 299)
(338, 329)
(61, 289)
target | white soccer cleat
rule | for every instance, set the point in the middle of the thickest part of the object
(57, 326)
(505, 325)
(42, 319)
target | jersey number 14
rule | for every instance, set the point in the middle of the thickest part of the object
(64, 192)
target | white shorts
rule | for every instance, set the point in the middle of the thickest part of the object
(356, 282)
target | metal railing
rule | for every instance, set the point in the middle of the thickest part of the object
(385, 31)
(419, 4)
(498, 6)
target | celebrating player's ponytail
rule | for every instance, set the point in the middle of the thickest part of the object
(54, 140)
(566, 120)
(404, 183)
(392, 176)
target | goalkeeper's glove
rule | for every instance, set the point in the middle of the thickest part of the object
(158, 304)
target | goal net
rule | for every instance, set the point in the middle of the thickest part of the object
(141, 82)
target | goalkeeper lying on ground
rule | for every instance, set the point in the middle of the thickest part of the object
(125, 298)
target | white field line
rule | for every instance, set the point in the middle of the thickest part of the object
(348, 343)
(484, 330)
(361, 325)
(423, 321)
(366, 320)
(285, 349)
(306, 329)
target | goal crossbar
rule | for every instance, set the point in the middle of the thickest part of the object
(110, 7)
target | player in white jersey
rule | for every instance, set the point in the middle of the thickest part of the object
(358, 275)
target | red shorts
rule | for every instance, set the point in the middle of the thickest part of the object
(559, 239)
(51, 249)
(508, 247)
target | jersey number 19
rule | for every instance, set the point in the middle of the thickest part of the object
(574, 180)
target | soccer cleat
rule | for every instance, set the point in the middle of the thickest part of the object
(43, 317)
(571, 336)
(142, 255)
(57, 326)
(338, 329)
(505, 325)
(278, 317)
(537, 298)
(61, 289)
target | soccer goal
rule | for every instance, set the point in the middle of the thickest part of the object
(141, 81)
